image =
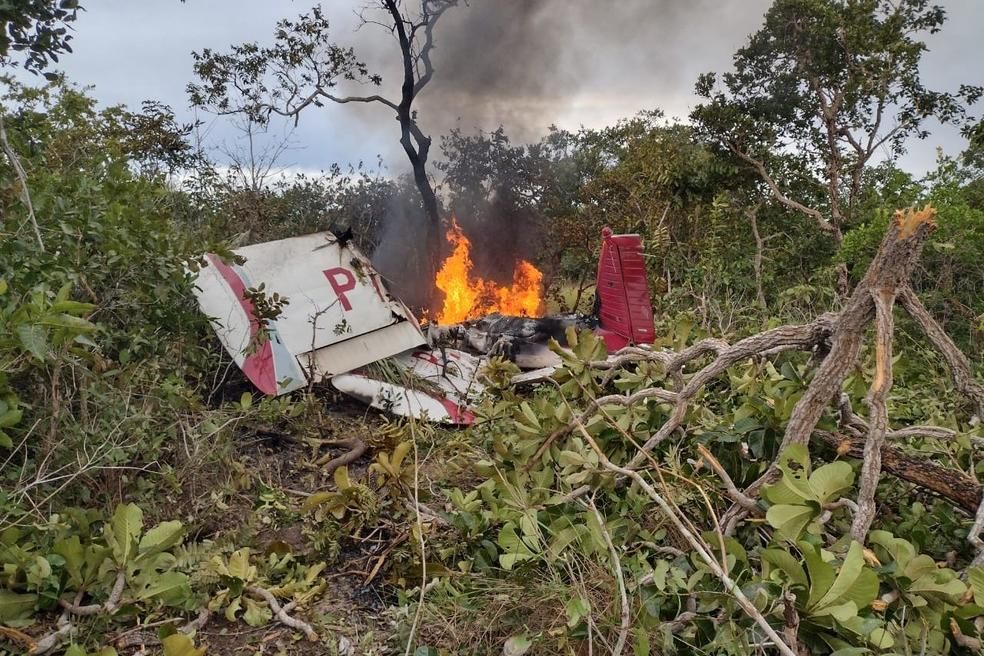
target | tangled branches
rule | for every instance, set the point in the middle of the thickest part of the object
(840, 337)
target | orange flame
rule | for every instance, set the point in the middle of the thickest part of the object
(468, 297)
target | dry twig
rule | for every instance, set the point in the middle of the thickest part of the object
(280, 612)
(626, 619)
(729, 584)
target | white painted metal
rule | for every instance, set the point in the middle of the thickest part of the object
(448, 388)
(339, 316)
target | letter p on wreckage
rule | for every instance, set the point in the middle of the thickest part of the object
(340, 324)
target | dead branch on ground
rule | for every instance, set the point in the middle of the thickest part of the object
(697, 544)
(328, 463)
(280, 612)
(838, 338)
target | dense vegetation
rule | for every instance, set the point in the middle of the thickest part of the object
(147, 497)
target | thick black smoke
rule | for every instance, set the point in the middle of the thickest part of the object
(527, 64)
(530, 64)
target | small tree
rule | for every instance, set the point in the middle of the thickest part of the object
(827, 85)
(303, 68)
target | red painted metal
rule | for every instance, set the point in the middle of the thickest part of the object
(259, 366)
(625, 313)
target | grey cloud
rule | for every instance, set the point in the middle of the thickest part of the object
(524, 64)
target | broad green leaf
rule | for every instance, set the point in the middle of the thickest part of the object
(161, 538)
(529, 414)
(941, 582)
(789, 520)
(880, 638)
(342, 481)
(38, 572)
(75, 308)
(63, 292)
(509, 560)
(865, 589)
(976, 577)
(10, 418)
(179, 644)
(901, 551)
(74, 650)
(844, 612)
(829, 481)
(233, 608)
(577, 609)
(561, 541)
(257, 613)
(126, 525)
(316, 499)
(33, 339)
(399, 454)
(788, 564)
(847, 577)
(170, 588)
(528, 525)
(76, 324)
(14, 606)
(517, 645)
(919, 566)
(794, 486)
(239, 566)
(5, 441)
(821, 573)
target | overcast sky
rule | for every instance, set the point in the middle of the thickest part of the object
(523, 63)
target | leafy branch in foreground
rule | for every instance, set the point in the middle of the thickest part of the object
(620, 430)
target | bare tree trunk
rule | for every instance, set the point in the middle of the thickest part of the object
(891, 270)
(25, 193)
(415, 143)
(872, 303)
(877, 402)
(759, 255)
(953, 485)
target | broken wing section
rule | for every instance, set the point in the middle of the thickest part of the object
(439, 385)
(339, 316)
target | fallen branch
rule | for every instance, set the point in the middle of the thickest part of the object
(356, 448)
(52, 640)
(734, 493)
(876, 401)
(139, 636)
(626, 620)
(281, 613)
(804, 337)
(963, 377)
(958, 488)
(112, 603)
(729, 585)
(55, 638)
(888, 273)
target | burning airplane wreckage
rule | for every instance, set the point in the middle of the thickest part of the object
(340, 323)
